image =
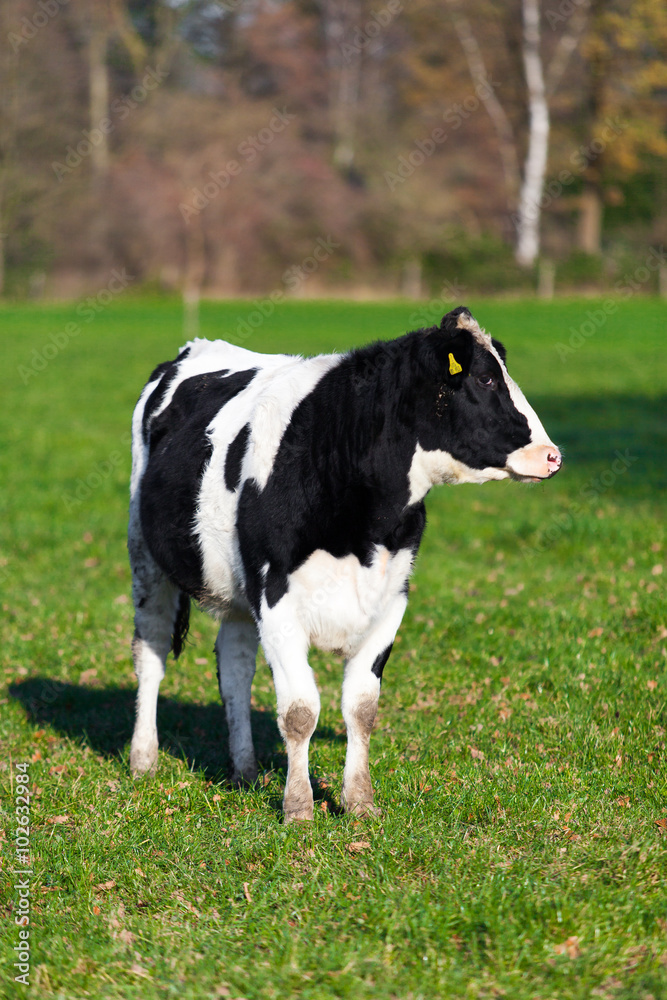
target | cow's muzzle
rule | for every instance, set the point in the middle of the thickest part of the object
(534, 463)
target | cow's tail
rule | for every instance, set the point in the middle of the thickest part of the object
(181, 625)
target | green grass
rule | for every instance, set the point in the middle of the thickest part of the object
(519, 756)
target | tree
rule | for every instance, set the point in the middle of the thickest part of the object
(625, 55)
(524, 188)
(535, 165)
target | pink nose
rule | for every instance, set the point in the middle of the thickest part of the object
(554, 460)
(535, 462)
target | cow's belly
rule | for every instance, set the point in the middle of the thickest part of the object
(339, 601)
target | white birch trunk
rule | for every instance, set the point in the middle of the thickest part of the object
(528, 221)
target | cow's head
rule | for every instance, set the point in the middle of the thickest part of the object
(480, 425)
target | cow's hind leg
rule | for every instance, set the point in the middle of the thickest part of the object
(236, 652)
(161, 611)
(361, 691)
(298, 702)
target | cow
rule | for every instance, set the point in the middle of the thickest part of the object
(285, 495)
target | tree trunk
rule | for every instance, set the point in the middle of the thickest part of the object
(528, 222)
(9, 113)
(341, 17)
(589, 235)
(589, 228)
(99, 95)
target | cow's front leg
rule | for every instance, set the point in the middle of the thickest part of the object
(286, 648)
(361, 690)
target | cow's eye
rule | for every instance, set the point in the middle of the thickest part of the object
(487, 381)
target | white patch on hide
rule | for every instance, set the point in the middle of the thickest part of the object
(337, 603)
(431, 468)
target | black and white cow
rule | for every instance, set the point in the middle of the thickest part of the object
(286, 496)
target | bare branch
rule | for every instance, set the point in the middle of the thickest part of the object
(567, 45)
(495, 110)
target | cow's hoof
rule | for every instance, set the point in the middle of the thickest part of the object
(298, 815)
(143, 761)
(364, 810)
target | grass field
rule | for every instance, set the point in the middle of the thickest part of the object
(519, 755)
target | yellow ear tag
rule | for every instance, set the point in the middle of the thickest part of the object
(454, 366)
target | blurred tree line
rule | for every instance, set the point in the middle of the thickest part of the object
(211, 145)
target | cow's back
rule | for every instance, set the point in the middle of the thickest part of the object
(204, 423)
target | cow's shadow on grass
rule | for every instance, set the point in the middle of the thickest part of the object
(103, 718)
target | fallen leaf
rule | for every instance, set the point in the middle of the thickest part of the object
(358, 845)
(595, 632)
(570, 948)
(104, 886)
(656, 570)
(662, 824)
(651, 685)
(96, 910)
(476, 754)
(121, 599)
(58, 819)
(88, 675)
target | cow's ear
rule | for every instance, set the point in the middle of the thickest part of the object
(456, 357)
(456, 347)
(456, 320)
